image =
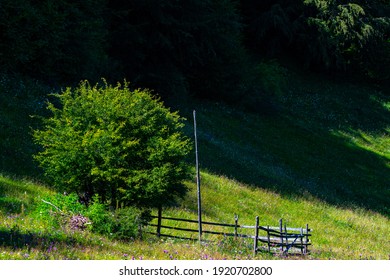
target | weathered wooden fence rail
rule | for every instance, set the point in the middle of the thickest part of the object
(283, 239)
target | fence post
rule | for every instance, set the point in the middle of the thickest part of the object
(256, 236)
(235, 226)
(285, 231)
(302, 241)
(269, 241)
(307, 238)
(159, 218)
(281, 233)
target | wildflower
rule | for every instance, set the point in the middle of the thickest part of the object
(78, 222)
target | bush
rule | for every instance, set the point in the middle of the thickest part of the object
(66, 212)
(121, 144)
(101, 220)
(60, 210)
(128, 221)
(272, 77)
(123, 223)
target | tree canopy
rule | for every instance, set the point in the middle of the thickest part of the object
(120, 144)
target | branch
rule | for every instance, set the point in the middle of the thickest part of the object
(52, 205)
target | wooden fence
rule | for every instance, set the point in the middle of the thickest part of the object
(281, 238)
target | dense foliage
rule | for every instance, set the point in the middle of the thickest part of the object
(197, 47)
(344, 30)
(65, 212)
(325, 34)
(179, 46)
(123, 145)
(53, 40)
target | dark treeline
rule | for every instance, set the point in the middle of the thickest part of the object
(350, 36)
(196, 47)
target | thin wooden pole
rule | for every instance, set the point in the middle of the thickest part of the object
(198, 181)
(281, 233)
(159, 218)
(301, 241)
(235, 226)
(256, 236)
(307, 238)
(286, 239)
(269, 240)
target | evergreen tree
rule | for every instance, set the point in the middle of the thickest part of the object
(342, 31)
(326, 34)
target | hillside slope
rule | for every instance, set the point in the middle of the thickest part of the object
(329, 140)
(322, 159)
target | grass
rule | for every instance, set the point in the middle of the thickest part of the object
(322, 159)
(338, 233)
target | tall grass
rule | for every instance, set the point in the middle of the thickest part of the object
(339, 232)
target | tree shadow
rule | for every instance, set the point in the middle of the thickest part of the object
(296, 159)
(319, 101)
(16, 239)
(10, 205)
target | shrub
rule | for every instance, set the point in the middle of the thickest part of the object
(60, 210)
(121, 144)
(123, 223)
(101, 219)
(65, 212)
(128, 221)
(272, 76)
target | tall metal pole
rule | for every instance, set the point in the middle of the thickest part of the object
(198, 181)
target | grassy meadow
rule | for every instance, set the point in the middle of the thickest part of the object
(322, 158)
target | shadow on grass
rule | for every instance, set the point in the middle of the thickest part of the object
(10, 205)
(16, 239)
(294, 160)
(318, 101)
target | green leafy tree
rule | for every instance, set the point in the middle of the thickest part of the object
(121, 144)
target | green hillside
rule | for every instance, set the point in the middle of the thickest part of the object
(322, 157)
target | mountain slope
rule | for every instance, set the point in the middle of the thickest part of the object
(322, 159)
